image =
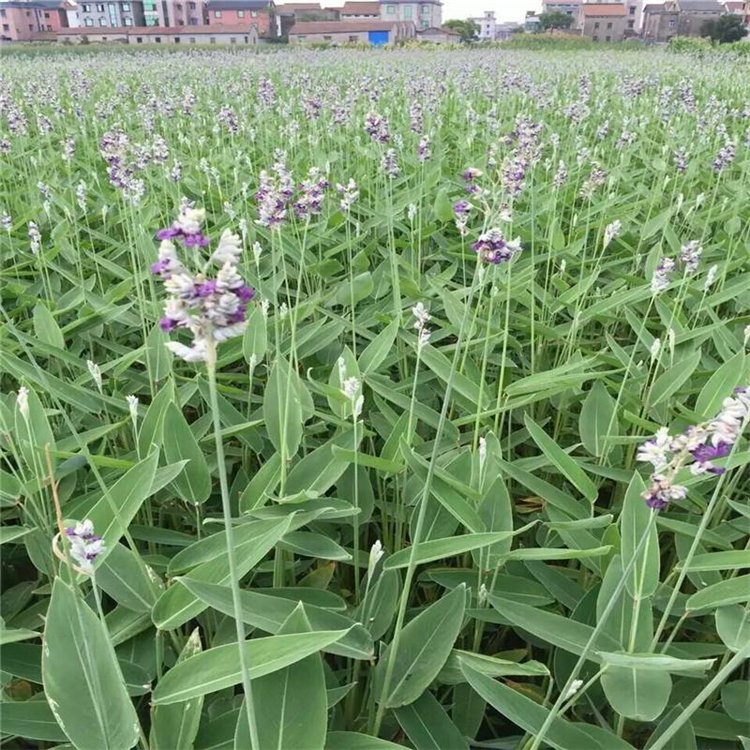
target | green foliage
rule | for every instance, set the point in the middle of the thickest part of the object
(725, 29)
(454, 550)
(555, 20)
(467, 29)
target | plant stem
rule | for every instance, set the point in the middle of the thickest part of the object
(234, 582)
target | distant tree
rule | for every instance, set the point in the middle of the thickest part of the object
(468, 30)
(555, 20)
(725, 29)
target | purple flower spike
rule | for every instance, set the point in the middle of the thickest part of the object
(195, 240)
(205, 288)
(167, 324)
(168, 233)
(245, 293)
(160, 266)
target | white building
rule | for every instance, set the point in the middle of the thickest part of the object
(487, 25)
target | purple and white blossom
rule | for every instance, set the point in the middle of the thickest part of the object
(85, 545)
(492, 247)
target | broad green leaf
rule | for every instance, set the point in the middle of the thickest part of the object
(282, 409)
(177, 605)
(13, 635)
(735, 697)
(428, 726)
(151, 430)
(82, 679)
(441, 365)
(557, 630)
(426, 642)
(124, 579)
(255, 339)
(636, 522)
(730, 591)
(114, 512)
(438, 549)
(357, 741)
(452, 672)
(31, 720)
(46, 328)
(219, 668)
(566, 465)
(496, 511)
(176, 725)
(658, 662)
(597, 419)
(291, 706)
(556, 553)
(33, 433)
(670, 381)
(310, 544)
(530, 716)
(640, 694)
(320, 469)
(720, 385)
(262, 485)
(733, 626)
(194, 483)
(729, 560)
(378, 349)
(268, 613)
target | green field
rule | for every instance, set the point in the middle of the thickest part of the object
(422, 374)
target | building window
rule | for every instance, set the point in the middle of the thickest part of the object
(46, 15)
(192, 40)
(2, 12)
(353, 38)
(672, 24)
(31, 27)
(301, 38)
(425, 10)
(233, 40)
(595, 38)
(100, 7)
(609, 25)
(596, 25)
(191, 6)
(254, 13)
(157, 39)
(407, 12)
(327, 38)
(126, 7)
(632, 10)
(177, 40)
(193, 21)
(240, 14)
(102, 22)
(139, 39)
(127, 21)
(212, 40)
(608, 39)
(424, 23)
(631, 24)
(390, 9)
(88, 22)
(217, 14)
(247, 40)
(6, 27)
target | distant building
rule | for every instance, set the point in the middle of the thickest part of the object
(506, 30)
(255, 14)
(603, 22)
(183, 35)
(734, 7)
(110, 14)
(359, 10)
(438, 36)
(693, 14)
(531, 23)
(569, 7)
(22, 21)
(308, 12)
(375, 32)
(426, 14)
(487, 25)
(659, 22)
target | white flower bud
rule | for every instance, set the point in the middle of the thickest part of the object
(95, 373)
(22, 401)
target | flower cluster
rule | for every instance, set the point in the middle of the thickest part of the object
(611, 231)
(689, 256)
(725, 157)
(186, 228)
(312, 191)
(212, 309)
(424, 152)
(85, 546)
(376, 126)
(421, 319)
(461, 211)
(492, 247)
(273, 195)
(389, 165)
(349, 194)
(695, 448)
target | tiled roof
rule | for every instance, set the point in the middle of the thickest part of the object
(238, 4)
(700, 5)
(36, 5)
(340, 27)
(299, 8)
(595, 10)
(155, 30)
(361, 9)
(562, 2)
(434, 30)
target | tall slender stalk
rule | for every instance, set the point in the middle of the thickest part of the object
(234, 583)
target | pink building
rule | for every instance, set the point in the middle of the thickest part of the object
(22, 21)
(256, 14)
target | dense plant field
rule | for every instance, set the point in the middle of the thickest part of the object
(422, 375)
